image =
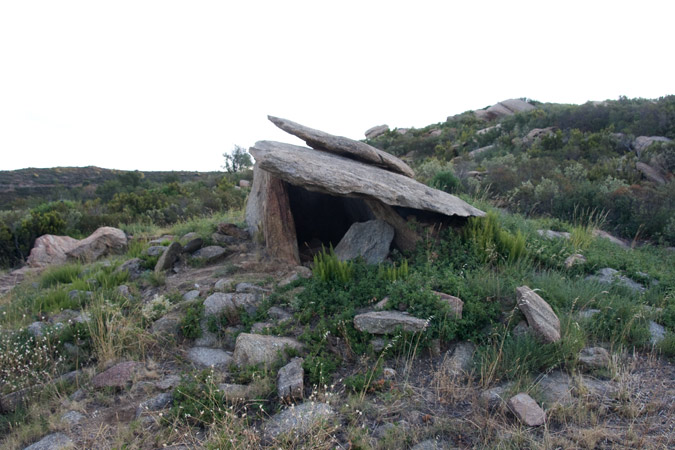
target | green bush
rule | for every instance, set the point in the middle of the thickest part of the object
(189, 324)
(446, 181)
(327, 267)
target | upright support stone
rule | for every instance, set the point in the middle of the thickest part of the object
(404, 238)
(278, 223)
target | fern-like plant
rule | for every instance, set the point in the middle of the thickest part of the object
(327, 267)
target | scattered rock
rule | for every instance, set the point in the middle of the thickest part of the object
(297, 420)
(134, 267)
(457, 361)
(370, 240)
(430, 444)
(209, 357)
(493, 397)
(191, 295)
(102, 242)
(168, 382)
(588, 313)
(223, 239)
(521, 329)
(378, 344)
(386, 322)
(124, 291)
(233, 230)
(382, 304)
(279, 314)
(118, 376)
(49, 249)
(594, 358)
(36, 328)
(54, 441)
(170, 256)
(657, 332)
(210, 254)
(611, 276)
(220, 303)
(162, 240)
(474, 153)
(641, 143)
(249, 288)
(224, 284)
(537, 133)
(236, 391)
(455, 303)
(602, 389)
(72, 418)
(155, 250)
(290, 384)
(251, 349)
(556, 388)
(377, 130)
(156, 403)
(193, 245)
(574, 260)
(550, 234)
(388, 373)
(652, 174)
(540, 317)
(526, 410)
(169, 325)
(615, 240)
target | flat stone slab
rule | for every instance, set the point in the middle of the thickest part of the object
(320, 140)
(336, 175)
(118, 376)
(209, 254)
(386, 322)
(526, 410)
(540, 317)
(594, 358)
(209, 357)
(290, 385)
(220, 303)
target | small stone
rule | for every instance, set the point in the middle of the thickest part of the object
(193, 245)
(36, 328)
(209, 357)
(134, 267)
(224, 284)
(550, 234)
(588, 313)
(249, 288)
(210, 254)
(455, 303)
(594, 358)
(382, 304)
(521, 329)
(118, 376)
(458, 360)
(298, 419)
(156, 403)
(290, 384)
(235, 392)
(169, 257)
(191, 295)
(252, 349)
(155, 250)
(124, 291)
(278, 314)
(220, 303)
(259, 327)
(389, 373)
(386, 322)
(72, 418)
(378, 344)
(540, 317)
(493, 397)
(526, 410)
(657, 332)
(574, 260)
(54, 441)
(556, 388)
(430, 444)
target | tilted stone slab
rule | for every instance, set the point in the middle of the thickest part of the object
(336, 175)
(320, 140)
(386, 322)
(252, 349)
(370, 240)
(539, 314)
(526, 410)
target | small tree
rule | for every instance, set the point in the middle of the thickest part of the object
(238, 160)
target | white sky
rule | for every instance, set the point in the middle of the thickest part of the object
(168, 85)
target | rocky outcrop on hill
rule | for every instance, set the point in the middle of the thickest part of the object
(378, 130)
(503, 109)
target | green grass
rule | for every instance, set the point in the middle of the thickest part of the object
(63, 274)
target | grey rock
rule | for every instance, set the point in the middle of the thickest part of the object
(588, 313)
(378, 344)
(209, 357)
(613, 239)
(72, 418)
(279, 314)
(54, 441)
(574, 260)
(388, 373)
(260, 327)
(78, 395)
(244, 183)
(156, 403)
(608, 275)
(37, 329)
(224, 284)
(298, 272)
(235, 392)
(494, 397)
(377, 130)
(191, 295)
(521, 329)
(290, 385)
(249, 288)
(360, 151)
(540, 317)
(252, 349)
(223, 239)
(657, 332)
(602, 389)
(370, 240)
(550, 234)
(169, 257)
(162, 240)
(187, 237)
(75, 294)
(455, 303)
(526, 410)
(155, 250)
(536, 134)
(335, 175)
(193, 245)
(220, 303)
(594, 358)
(297, 420)
(124, 291)
(210, 254)
(457, 361)
(102, 242)
(475, 153)
(652, 174)
(386, 322)
(169, 325)
(430, 444)
(488, 129)
(134, 267)
(641, 143)
(168, 382)
(556, 388)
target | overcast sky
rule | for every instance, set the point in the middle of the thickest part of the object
(168, 85)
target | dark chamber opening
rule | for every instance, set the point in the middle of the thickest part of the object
(322, 219)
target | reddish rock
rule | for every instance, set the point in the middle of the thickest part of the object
(118, 376)
(50, 249)
(102, 242)
(526, 410)
(455, 303)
